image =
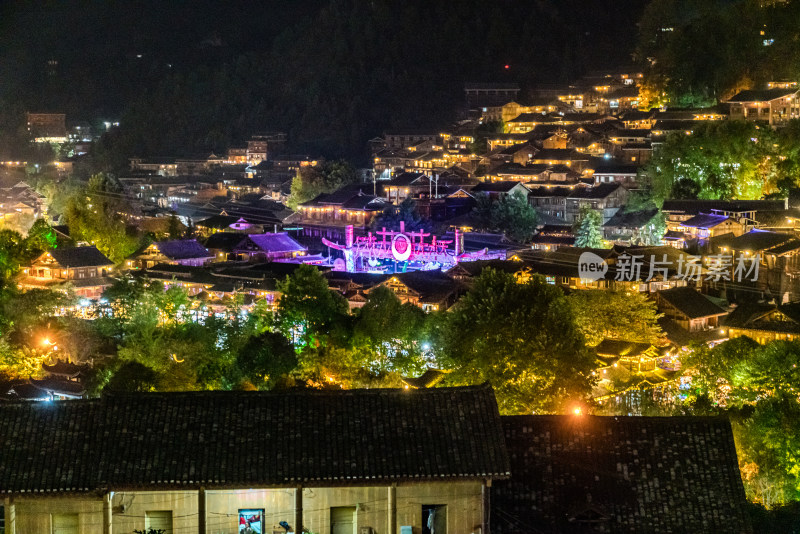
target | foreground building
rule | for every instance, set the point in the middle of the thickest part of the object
(378, 461)
(619, 474)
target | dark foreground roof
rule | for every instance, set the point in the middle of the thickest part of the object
(619, 474)
(250, 439)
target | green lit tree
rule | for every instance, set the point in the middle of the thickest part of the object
(390, 333)
(615, 315)
(588, 229)
(522, 338)
(309, 313)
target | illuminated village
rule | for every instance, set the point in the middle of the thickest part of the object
(521, 268)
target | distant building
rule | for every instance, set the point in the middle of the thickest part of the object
(86, 269)
(176, 252)
(582, 474)
(267, 247)
(331, 461)
(688, 308)
(480, 95)
(774, 106)
(47, 127)
(430, 290)
(262, 147)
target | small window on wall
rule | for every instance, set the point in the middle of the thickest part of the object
(434, 519)
(251, 521)
(65, 523)
(158, 520)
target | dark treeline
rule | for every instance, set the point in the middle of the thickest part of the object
(332, 74)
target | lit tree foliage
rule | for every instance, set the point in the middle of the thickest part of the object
(729, 159)
(615, 315)
(760, 386)
(307, 310)
(511, 215)
(743, 44)
(94, 214)
(313, 181)
(391, 333)
(588, 229)
(522, 338)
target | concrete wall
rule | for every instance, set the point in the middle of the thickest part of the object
(462, 499)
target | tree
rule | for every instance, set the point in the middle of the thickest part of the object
(512, 215)
(41, 238)
(132, 377)
(313, 181)
(94, 215)
(308, 312)
(522, 338)
(726, 159)
(768, 444)
(266, 359)
(392, 333)
(616, 315)
(588, 228)
(391, 216)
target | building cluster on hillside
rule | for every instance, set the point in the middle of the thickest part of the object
(562, 150)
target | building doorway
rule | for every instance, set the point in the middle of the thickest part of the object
(343, 520)
(434, 519)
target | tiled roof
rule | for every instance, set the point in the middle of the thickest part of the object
(764, 95)
(705, 220)
(182, 249)
(757, 316)
(225, 240)
(690, 303)
(500, 186)
(619, 474)
(431, 286)
(596, 191)
(757, 240)
(219, 221)
(618, 347)
(533, 117)
(693, 207)
(251, 439)
(80, 257)
(272, 243)
(633, 219)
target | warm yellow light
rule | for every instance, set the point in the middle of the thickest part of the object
(577, 410)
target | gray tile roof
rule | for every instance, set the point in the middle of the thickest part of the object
(270, 243)
(183, 249)
(619, 474)
(764, 95)
(80, 257)
(250, 439)
(690, 302)
(705, 220)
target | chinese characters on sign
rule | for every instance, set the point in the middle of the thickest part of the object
(690, 268)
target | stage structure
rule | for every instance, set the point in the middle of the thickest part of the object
(391, 251)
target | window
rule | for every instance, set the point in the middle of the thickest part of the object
(434, 519)
(251, 521)
(65, 523)
(158, 520)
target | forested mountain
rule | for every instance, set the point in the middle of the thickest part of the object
(332, 74)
